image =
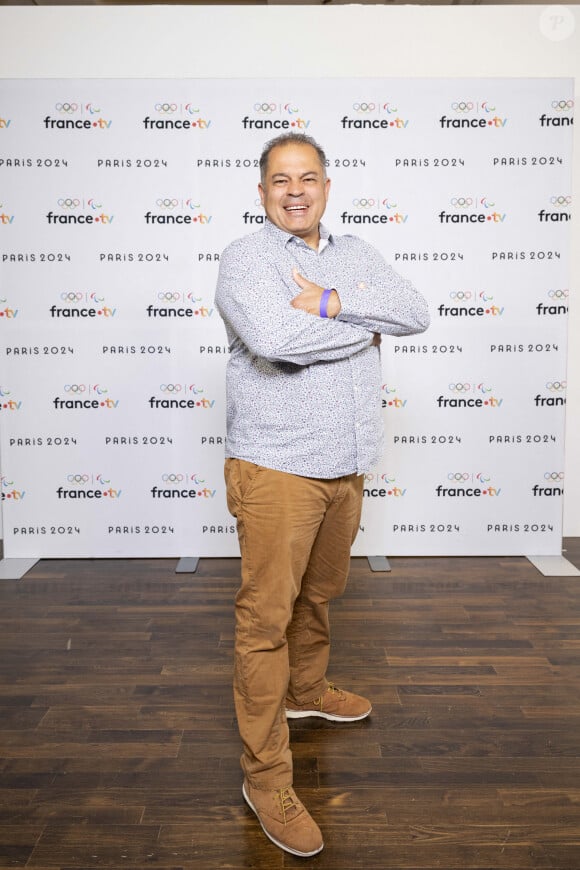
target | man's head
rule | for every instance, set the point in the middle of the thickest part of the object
(294, 187)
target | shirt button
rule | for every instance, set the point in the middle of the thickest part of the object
(362, 285)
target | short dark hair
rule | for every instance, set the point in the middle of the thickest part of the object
(289, 139)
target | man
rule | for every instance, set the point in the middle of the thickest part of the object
(304, 311)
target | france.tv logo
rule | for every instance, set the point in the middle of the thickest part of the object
(272, 115)
(5, 218)
(6, 311)
(472, 210)
(470, 303)
(77, 116)
(471, 114)
(468, 485)
(558, 210)
(375, 210)
(374, 115)
(382, 485)
(74, 210)
(553, 485)
(469, 395)
(181, 396)
(177, 303)
(173, 210)
(182, 485)
(92, 397)
(9, 492)
(389, 399)
(74, 304)
(90, 486)
(172, 115)
(561, 114)
(558, 303)
(7, 400)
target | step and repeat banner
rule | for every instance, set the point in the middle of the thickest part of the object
(116, 199)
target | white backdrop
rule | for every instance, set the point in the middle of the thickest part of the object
(117, 197)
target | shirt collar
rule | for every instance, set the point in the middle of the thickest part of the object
(284, 237)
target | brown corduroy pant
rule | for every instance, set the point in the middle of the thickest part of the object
(295, 537)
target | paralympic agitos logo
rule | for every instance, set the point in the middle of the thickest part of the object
(77, 116)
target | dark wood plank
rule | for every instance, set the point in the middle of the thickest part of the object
(119, 748)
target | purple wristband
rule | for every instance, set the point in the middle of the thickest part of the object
(324, 302)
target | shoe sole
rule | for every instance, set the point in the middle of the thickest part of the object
(273, 839)
(320, 714)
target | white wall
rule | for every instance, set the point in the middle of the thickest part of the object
(306, 41)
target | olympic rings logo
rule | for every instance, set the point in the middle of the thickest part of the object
(554, 475)
(68, 108)
(563, 105)
(458, 475)
(556, 386)
(172, 478)
(460, 294)
(463, 106)
(170, 388)
(460, 388)
(265, 108)
(558, 294)
(363, 203)
(167, 202)
(166, 108)
(71, 296)
(462, 201)
(168, 296)
(69, 202)
(560, 200)
(365, 107)
(74, 388)
(77, 478)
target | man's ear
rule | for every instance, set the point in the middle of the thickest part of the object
(261, 192)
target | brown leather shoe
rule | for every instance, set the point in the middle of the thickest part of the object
(335, 705)
(285, 820)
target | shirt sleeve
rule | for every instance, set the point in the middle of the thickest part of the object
(382, 301)
(253, 299)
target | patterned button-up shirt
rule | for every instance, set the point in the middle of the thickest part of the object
(303, 392)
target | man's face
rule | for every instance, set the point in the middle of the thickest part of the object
(295, 190)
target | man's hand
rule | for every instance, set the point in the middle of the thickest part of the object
(309, 299)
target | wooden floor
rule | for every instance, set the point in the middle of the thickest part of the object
(118, 744)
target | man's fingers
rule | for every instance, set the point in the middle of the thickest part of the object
(300, 280)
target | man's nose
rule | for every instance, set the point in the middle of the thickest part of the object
(296, 187)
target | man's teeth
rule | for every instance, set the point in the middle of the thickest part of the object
(295, 207)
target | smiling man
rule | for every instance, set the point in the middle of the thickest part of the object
(304, 311)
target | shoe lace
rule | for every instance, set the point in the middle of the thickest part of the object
(287, 802)
(333, 690)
